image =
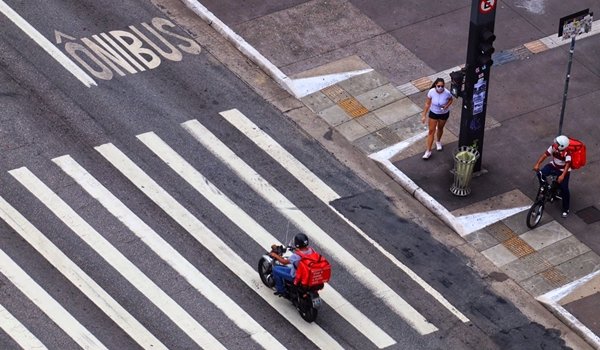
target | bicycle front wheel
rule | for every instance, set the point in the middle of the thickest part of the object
(534, 216)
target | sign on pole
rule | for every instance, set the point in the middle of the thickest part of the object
(568, 28)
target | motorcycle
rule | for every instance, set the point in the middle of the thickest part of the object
(305, 299)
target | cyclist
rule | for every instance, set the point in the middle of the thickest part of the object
(560, 166)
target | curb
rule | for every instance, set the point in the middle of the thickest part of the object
(552, 302)
(241, 44)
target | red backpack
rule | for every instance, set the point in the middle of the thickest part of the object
(576, 149)
(312, 270)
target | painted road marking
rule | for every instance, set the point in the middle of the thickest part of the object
(322, 191)
(214, 245)
(258, 233)
(118, 261)
(18, 332)
(305, 224)
(78, 277)
(46, 45)
(48, 304)
(163, 249)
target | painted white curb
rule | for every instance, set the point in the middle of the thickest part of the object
(297, 87)
(463, 225)
(552, 301)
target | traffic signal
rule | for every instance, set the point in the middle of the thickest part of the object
(485, 48)
(457, 80)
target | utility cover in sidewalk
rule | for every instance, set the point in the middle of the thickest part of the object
(589, 215)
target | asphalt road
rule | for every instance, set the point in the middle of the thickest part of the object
(48, 112)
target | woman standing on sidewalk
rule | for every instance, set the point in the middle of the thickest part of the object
(437, 105)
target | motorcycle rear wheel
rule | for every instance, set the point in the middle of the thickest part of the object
(265, 271)
(534, 216)
(307, 311)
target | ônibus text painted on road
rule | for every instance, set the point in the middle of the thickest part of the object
(487, 6)
(129, 51)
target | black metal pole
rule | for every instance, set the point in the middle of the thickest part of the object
(564, 101)
(477, 76)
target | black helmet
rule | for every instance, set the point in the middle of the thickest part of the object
(300, 240)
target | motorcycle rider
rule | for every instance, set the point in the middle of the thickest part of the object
(287, 271)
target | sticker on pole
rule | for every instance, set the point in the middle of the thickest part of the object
(487, 6)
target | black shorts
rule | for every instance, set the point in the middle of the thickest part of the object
(439, 116)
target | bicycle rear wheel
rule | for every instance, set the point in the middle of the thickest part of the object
(534, 216)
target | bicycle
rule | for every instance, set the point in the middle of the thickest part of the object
(548, 191)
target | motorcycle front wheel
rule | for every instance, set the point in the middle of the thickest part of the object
(265, 271)
(534, 216)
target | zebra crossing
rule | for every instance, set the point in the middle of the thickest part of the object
(196, 328)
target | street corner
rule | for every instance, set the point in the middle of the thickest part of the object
(576, 304)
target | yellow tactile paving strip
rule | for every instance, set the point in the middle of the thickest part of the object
(518, 247)
(500, 231)
(336, 93)
(536, 46)
(554, 277)
(422, 83)
(352, 107)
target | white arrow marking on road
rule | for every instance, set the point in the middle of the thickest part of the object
(48, 304)
(305, 224)
(78, 277)
(46, 45)
(258, 233)
(322, 191)
(117, 260)
(18, 332)
(59, 35)
(163, 249)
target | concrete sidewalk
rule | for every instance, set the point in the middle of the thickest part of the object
(549, 262)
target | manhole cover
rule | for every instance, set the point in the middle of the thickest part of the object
(589, 215)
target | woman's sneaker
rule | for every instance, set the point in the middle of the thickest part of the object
(427, 155)
(438, 145)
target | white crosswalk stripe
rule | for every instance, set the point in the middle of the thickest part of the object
(117, 260)
(167, 252)
(79, 278)
(255, 231)
(213, 243)
(18, 332)
(47, 304)
(322, 191)
(379, 288)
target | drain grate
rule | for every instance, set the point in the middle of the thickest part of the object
(518, 247)
(500, 231)
(589, 215)
(352, 107)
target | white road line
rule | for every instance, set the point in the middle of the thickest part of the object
(304, 223)
(258, 233)
(118, 261)
(18, 332)
(78, 277)
(163, 249)
(214, 244)
(322, 191)
(48, 304)
(46, 45)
